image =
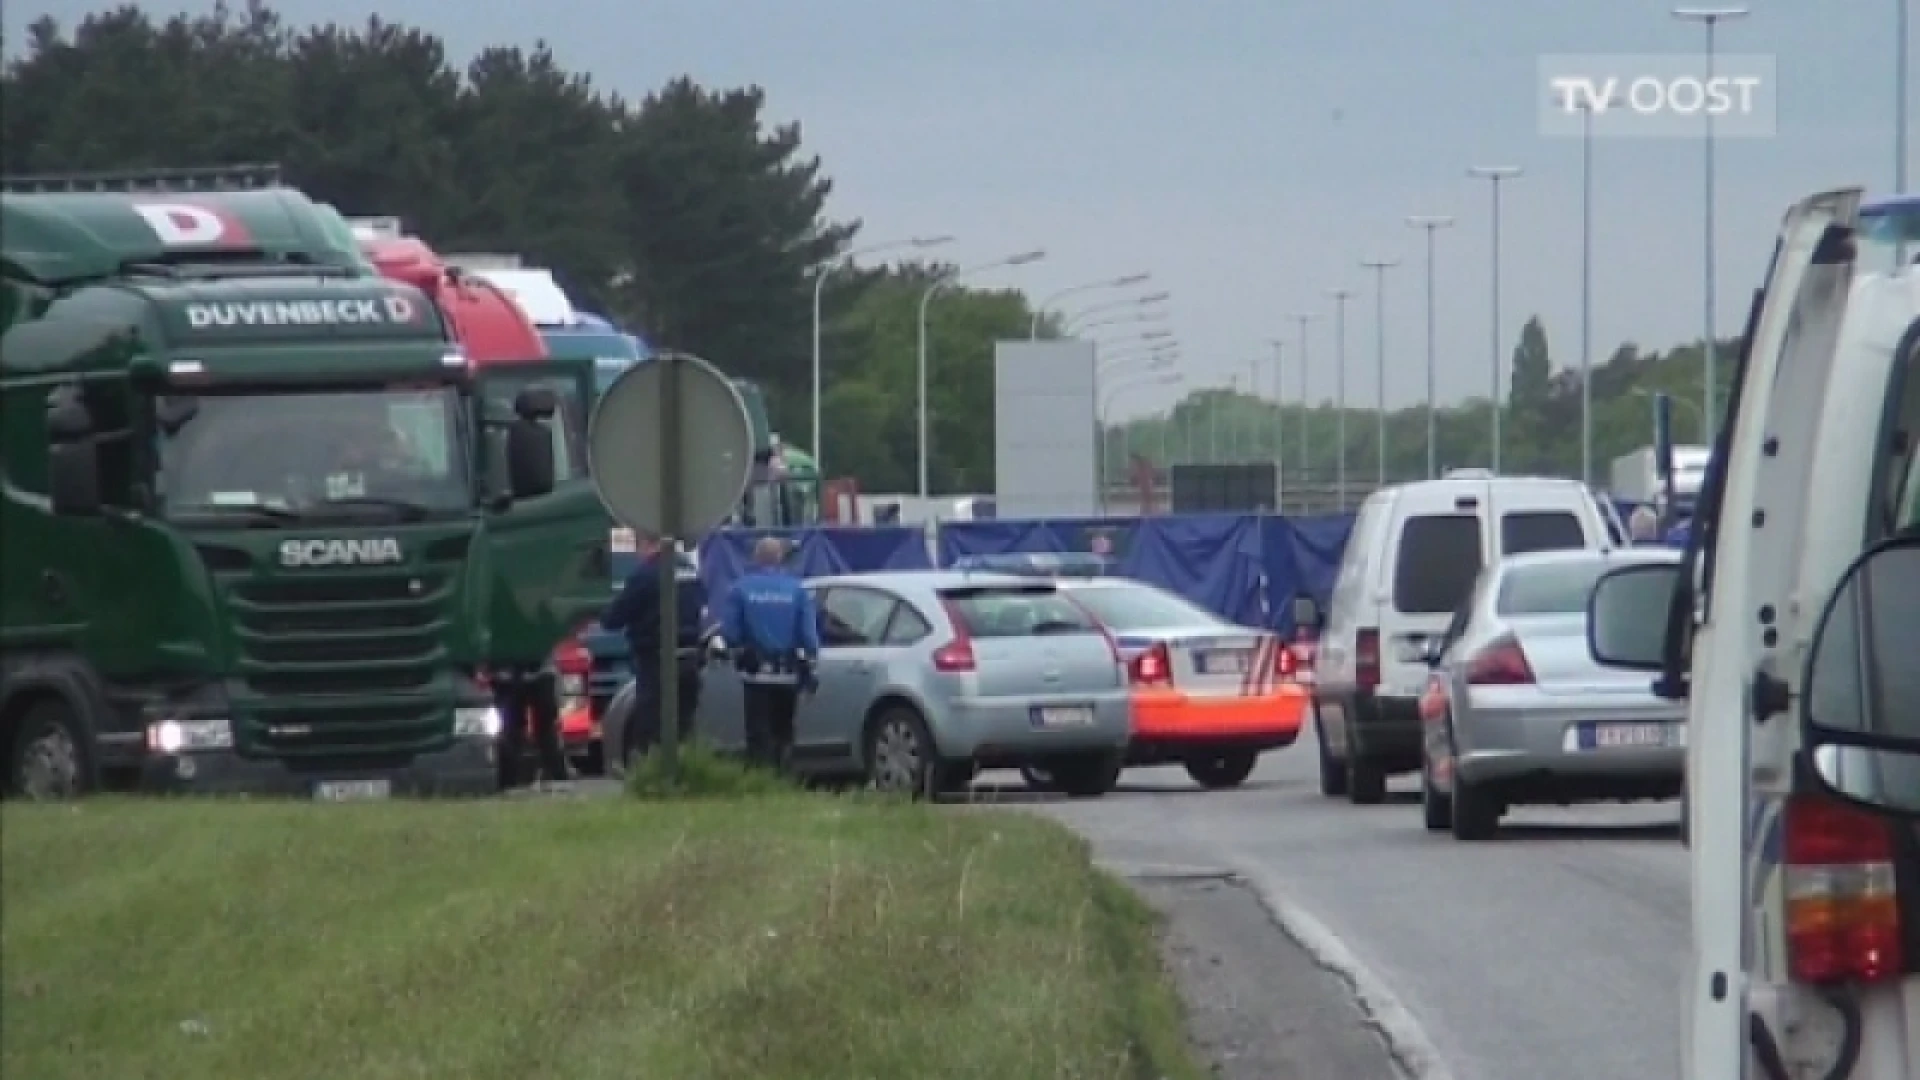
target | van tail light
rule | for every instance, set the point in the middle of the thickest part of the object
(1843, 905)
(1366, 659)
(1500, 663)
(1152, 667)
(956, 656)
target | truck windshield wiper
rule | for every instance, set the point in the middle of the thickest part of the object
(256, 512)
(406, 509)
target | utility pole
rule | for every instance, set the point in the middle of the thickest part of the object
(1380, 268)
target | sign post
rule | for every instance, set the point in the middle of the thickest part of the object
(669, 447)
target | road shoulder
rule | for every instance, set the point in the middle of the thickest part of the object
(1259, 1006)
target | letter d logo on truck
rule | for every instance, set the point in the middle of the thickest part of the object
(360, 551)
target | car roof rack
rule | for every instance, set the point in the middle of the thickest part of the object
(152, 181)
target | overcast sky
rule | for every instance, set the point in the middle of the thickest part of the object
(1248, 153)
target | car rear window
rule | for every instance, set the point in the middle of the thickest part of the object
(1552, 589)
(1015, 611)
(1142, 607)
(1438, 561)
(1540, 530)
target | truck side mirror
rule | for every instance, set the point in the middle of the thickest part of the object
(73, 458)
(530, 462)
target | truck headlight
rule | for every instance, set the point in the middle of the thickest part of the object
(187, 736)
(477, 721)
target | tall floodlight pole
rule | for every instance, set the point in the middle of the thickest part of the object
(1494, 175)
(926, 300)
(1710, 18)
(1900, 61)
(1306, 434)
(1586, 292)
(1340, 298)
(820, 277)
(1040, 310)
(1380, 268)
(1432, 224)
(1279, 417)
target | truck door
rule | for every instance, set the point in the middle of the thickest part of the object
(550, 554)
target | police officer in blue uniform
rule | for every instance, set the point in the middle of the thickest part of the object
(636, 611)
(770, 626)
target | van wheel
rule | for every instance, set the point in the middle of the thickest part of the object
(1366, 781)
(1217, 771)
(46, 760)
(1436, 807)
(1476, 815)
(1088, 776)
(1333, 772)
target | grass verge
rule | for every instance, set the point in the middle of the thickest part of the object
(778, 938)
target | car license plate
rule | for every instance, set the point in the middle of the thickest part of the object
(1063, 716)
(352, 790)
(1626, 736)
(1225, 662)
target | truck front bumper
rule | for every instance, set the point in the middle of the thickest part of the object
(469, 766)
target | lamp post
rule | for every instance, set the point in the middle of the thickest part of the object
(1900, 61)
(1340, 298)
(1494, 175)
(1380, 268)
(1306, 435)
(1040, 309)
(926, 299)
(1710, 19)
(1121, 320)
(819, 286)
(1141, 305)
(1586, 290)
(1432, 223)
(1279, 416)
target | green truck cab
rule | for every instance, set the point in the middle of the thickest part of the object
(246, 488)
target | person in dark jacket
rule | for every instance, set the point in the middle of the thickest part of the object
(527, 695)
(769, 624)
(636, 612)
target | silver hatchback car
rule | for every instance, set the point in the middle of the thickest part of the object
(927, 677)
(1517, 711)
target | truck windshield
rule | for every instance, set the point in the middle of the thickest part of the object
(300, 452)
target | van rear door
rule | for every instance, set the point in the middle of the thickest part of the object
(1438, 547)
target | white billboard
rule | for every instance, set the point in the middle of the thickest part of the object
(1045, 446)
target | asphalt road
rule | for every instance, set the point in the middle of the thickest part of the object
(1553, 951)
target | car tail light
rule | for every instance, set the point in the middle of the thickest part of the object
(1501, 663)
(1285, 664)
(1843, 906)
(571, 657)
(956, 656)
(1153, 667)
(1366, 659)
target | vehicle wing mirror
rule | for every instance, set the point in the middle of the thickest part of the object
(1860, 699)
(1306, 613)
(530, 460)
(1627, 615)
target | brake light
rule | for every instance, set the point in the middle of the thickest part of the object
(571, 657)
(956, 656)
(1153, 667)
(1843, 908)
(1501, 663)
(1366, 659)
(1285, 663)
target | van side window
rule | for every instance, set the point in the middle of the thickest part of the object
(1897, 493)
(1541, 530)
(1437, 562)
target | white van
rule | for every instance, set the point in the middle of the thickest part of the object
(1410, 561)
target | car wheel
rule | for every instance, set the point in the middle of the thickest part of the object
(1436, 806)
(1476, 815)
(1038, 779)
(1333, 772)
(1217, 771)
(46, 760)
(900, 755)
(1088, 776)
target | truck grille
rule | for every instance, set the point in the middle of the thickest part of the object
(311, 651)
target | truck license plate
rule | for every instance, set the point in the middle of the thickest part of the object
(351, 790)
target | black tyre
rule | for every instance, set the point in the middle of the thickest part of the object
(901, 757)
(48, 758)
(1333, 771)
(1476, 813)
(1436, 806)
(1088, 776)
(1217, 771)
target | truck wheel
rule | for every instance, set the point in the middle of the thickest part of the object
(1217, 771)
(47, 760)
(1333, 772)
(1088, 776)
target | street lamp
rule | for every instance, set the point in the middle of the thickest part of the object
(1166, 352)
(1900, 115)
(1279, 416)
(1494, 174)
(1040, 309)
(1586, 284)
(819, 286)
(1710, 18)
(1153, 316)
(1432, 223)
(1139, 303)
(1340, 298)
(1380, 268)
(926, 299)
(1306, 445)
